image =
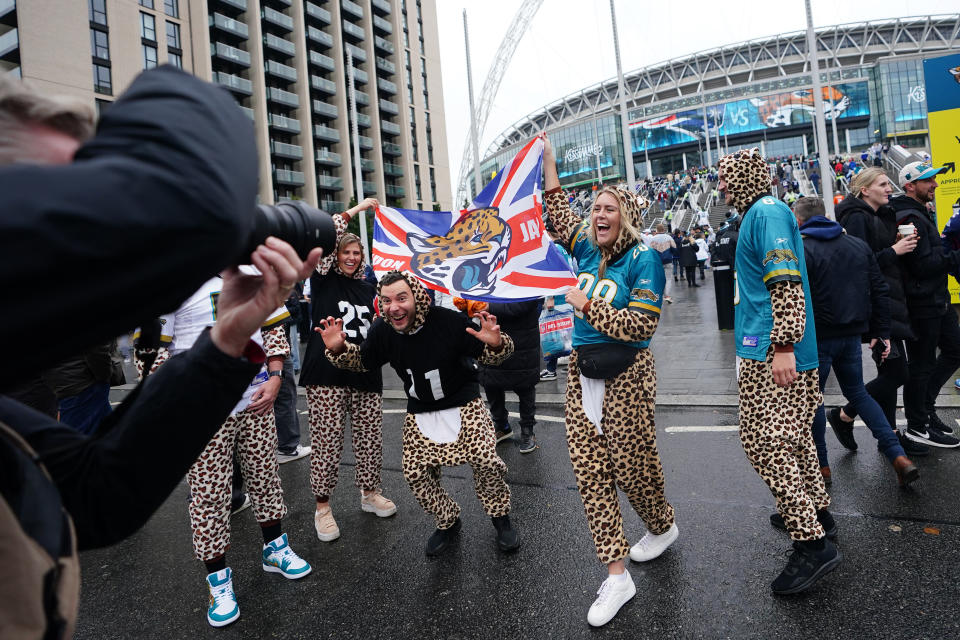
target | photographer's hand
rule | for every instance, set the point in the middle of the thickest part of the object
(246, 301)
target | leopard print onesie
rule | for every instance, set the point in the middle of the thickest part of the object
(625, 455)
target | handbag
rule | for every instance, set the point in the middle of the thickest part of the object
(605, 360)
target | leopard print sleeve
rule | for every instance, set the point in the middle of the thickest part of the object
(564, 220)
(621, 324)
(163, 354)
(789, 312)
(349, 359)
(493, 358)
(275, 341)
(340, 226)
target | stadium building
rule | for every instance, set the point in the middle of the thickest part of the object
(756, 93)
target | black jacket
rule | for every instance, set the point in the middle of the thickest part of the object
(850, 295)
(74, 375)
(879, 230)
(156, 203)
(687, 252)
(925, 268)
(520, 321)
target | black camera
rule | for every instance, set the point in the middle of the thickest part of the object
(295, 222)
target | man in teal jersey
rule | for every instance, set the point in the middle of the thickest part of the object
(778, 377)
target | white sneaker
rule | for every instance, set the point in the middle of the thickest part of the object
(652, 545)
(278, 557)
(223, 607)
(377, 503)
(297, 453)
(326, 526)
(613, 594)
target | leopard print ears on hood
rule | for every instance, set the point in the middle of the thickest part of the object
(747, 177)
(344, 240)
(420, 297)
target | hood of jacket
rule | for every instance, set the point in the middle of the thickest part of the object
(850, 204)
(904, 204)
(822, 228)
(747, 177)
(630, 210)
(345, 239)
(420, 298)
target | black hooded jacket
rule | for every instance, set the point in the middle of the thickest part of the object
(521, 321)
(879, 230)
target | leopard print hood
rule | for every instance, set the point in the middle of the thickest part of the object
(420, 297)
(747, 177)
(345, 239)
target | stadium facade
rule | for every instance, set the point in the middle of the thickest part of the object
(756, 93)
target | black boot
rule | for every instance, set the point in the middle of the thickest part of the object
(440, 539)
(507, 538)
(810, 561)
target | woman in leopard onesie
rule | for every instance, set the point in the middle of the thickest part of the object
(338, 289)
(611, 381)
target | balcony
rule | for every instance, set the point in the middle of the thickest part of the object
(228, 25)
(363, 121)
(332, 206)
(281, 71)
(391, 128)
(360, 76)
(10, 45)
(277, 19)
(366, 166)
(381, 6)
(329, 182)
(248, 111)
(389, 107)
(279, 44)
(353, 31)
(383, 44)
(395, 191)
(325, 109)
(352, 8)
(324, 62)
(392, 170)
(227, 53)
(283, 3)
(366, 142)
(240, 5)
(363, 99)
(386, 86)
(323, 85)
(321, 132)
(320, 37)
(382, 24)
(328, 158)
(286, 176)
(285, 98)
(385, 65)
(391, 149)
(284, 150)
(369, 188)
(7, 7)
(234, 83)
(319, 13)
(283, 123)
(359, 55)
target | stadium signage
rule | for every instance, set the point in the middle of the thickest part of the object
(583, 151)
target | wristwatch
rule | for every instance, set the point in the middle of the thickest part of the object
(278, 374)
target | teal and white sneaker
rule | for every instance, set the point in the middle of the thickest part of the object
(278, 557)
(223, 602)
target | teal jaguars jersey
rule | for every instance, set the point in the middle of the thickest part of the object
(633, 281)
(769, 250)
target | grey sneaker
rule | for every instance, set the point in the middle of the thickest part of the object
(528, 443)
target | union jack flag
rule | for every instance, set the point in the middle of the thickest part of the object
(497, 250)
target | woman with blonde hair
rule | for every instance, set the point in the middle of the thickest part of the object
(611, 380)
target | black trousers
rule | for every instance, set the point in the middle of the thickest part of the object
(691, 273)
(496, 396)
(929, 371)
(285, 410)
(891, 375)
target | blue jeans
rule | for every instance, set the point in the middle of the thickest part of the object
(295, 345)
(844, 356)
(676, 266)
(85, 410)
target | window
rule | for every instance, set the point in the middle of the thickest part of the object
(175, 59)
(146, 3)
(98, 11)
(149, 56)
(433, 186)
(99, 46)
(102, 106)
(173, 35)
(101, 79)
(148, 27)
(171, 8)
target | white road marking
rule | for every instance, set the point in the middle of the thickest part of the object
(732, 427)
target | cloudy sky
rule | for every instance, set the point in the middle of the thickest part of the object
(569, 45)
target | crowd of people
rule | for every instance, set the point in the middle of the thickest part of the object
(217, 400)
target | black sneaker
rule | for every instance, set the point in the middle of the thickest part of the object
(528, 443)
(824, 517)
(842, 430)
(504, 433)
(939, 425)
(441, 538)
(911, 448)
(507, 538)
(806, 565)
(925, 434)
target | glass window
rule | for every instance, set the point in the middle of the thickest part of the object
(175, 59)
(148, 27)
(101, 79)
(146, 3)
(149, 56)
(173, 35)
(171, 8)
(98, 11)
(99, 45)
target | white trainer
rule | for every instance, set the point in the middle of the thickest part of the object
(377, 503)
(615, 591)
(652, 545)
(327, 529)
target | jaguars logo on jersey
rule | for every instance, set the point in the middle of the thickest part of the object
(776, 256)
(644, 294)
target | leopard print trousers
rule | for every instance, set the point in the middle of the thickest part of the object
(254, 439)
(625, 455)
(328, 408)
(476, 445)
(775, 430)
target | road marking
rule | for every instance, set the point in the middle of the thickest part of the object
(732, 427)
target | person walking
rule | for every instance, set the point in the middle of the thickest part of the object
(688, 260)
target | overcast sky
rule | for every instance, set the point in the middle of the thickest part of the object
(569, 45)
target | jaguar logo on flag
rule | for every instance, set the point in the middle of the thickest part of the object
(776, 256)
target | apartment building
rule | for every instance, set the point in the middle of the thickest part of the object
(286, 64)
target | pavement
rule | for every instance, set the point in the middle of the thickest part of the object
(897, 580)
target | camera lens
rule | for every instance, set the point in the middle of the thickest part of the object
(295, 222)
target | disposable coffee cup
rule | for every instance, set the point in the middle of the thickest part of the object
(907, 229)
